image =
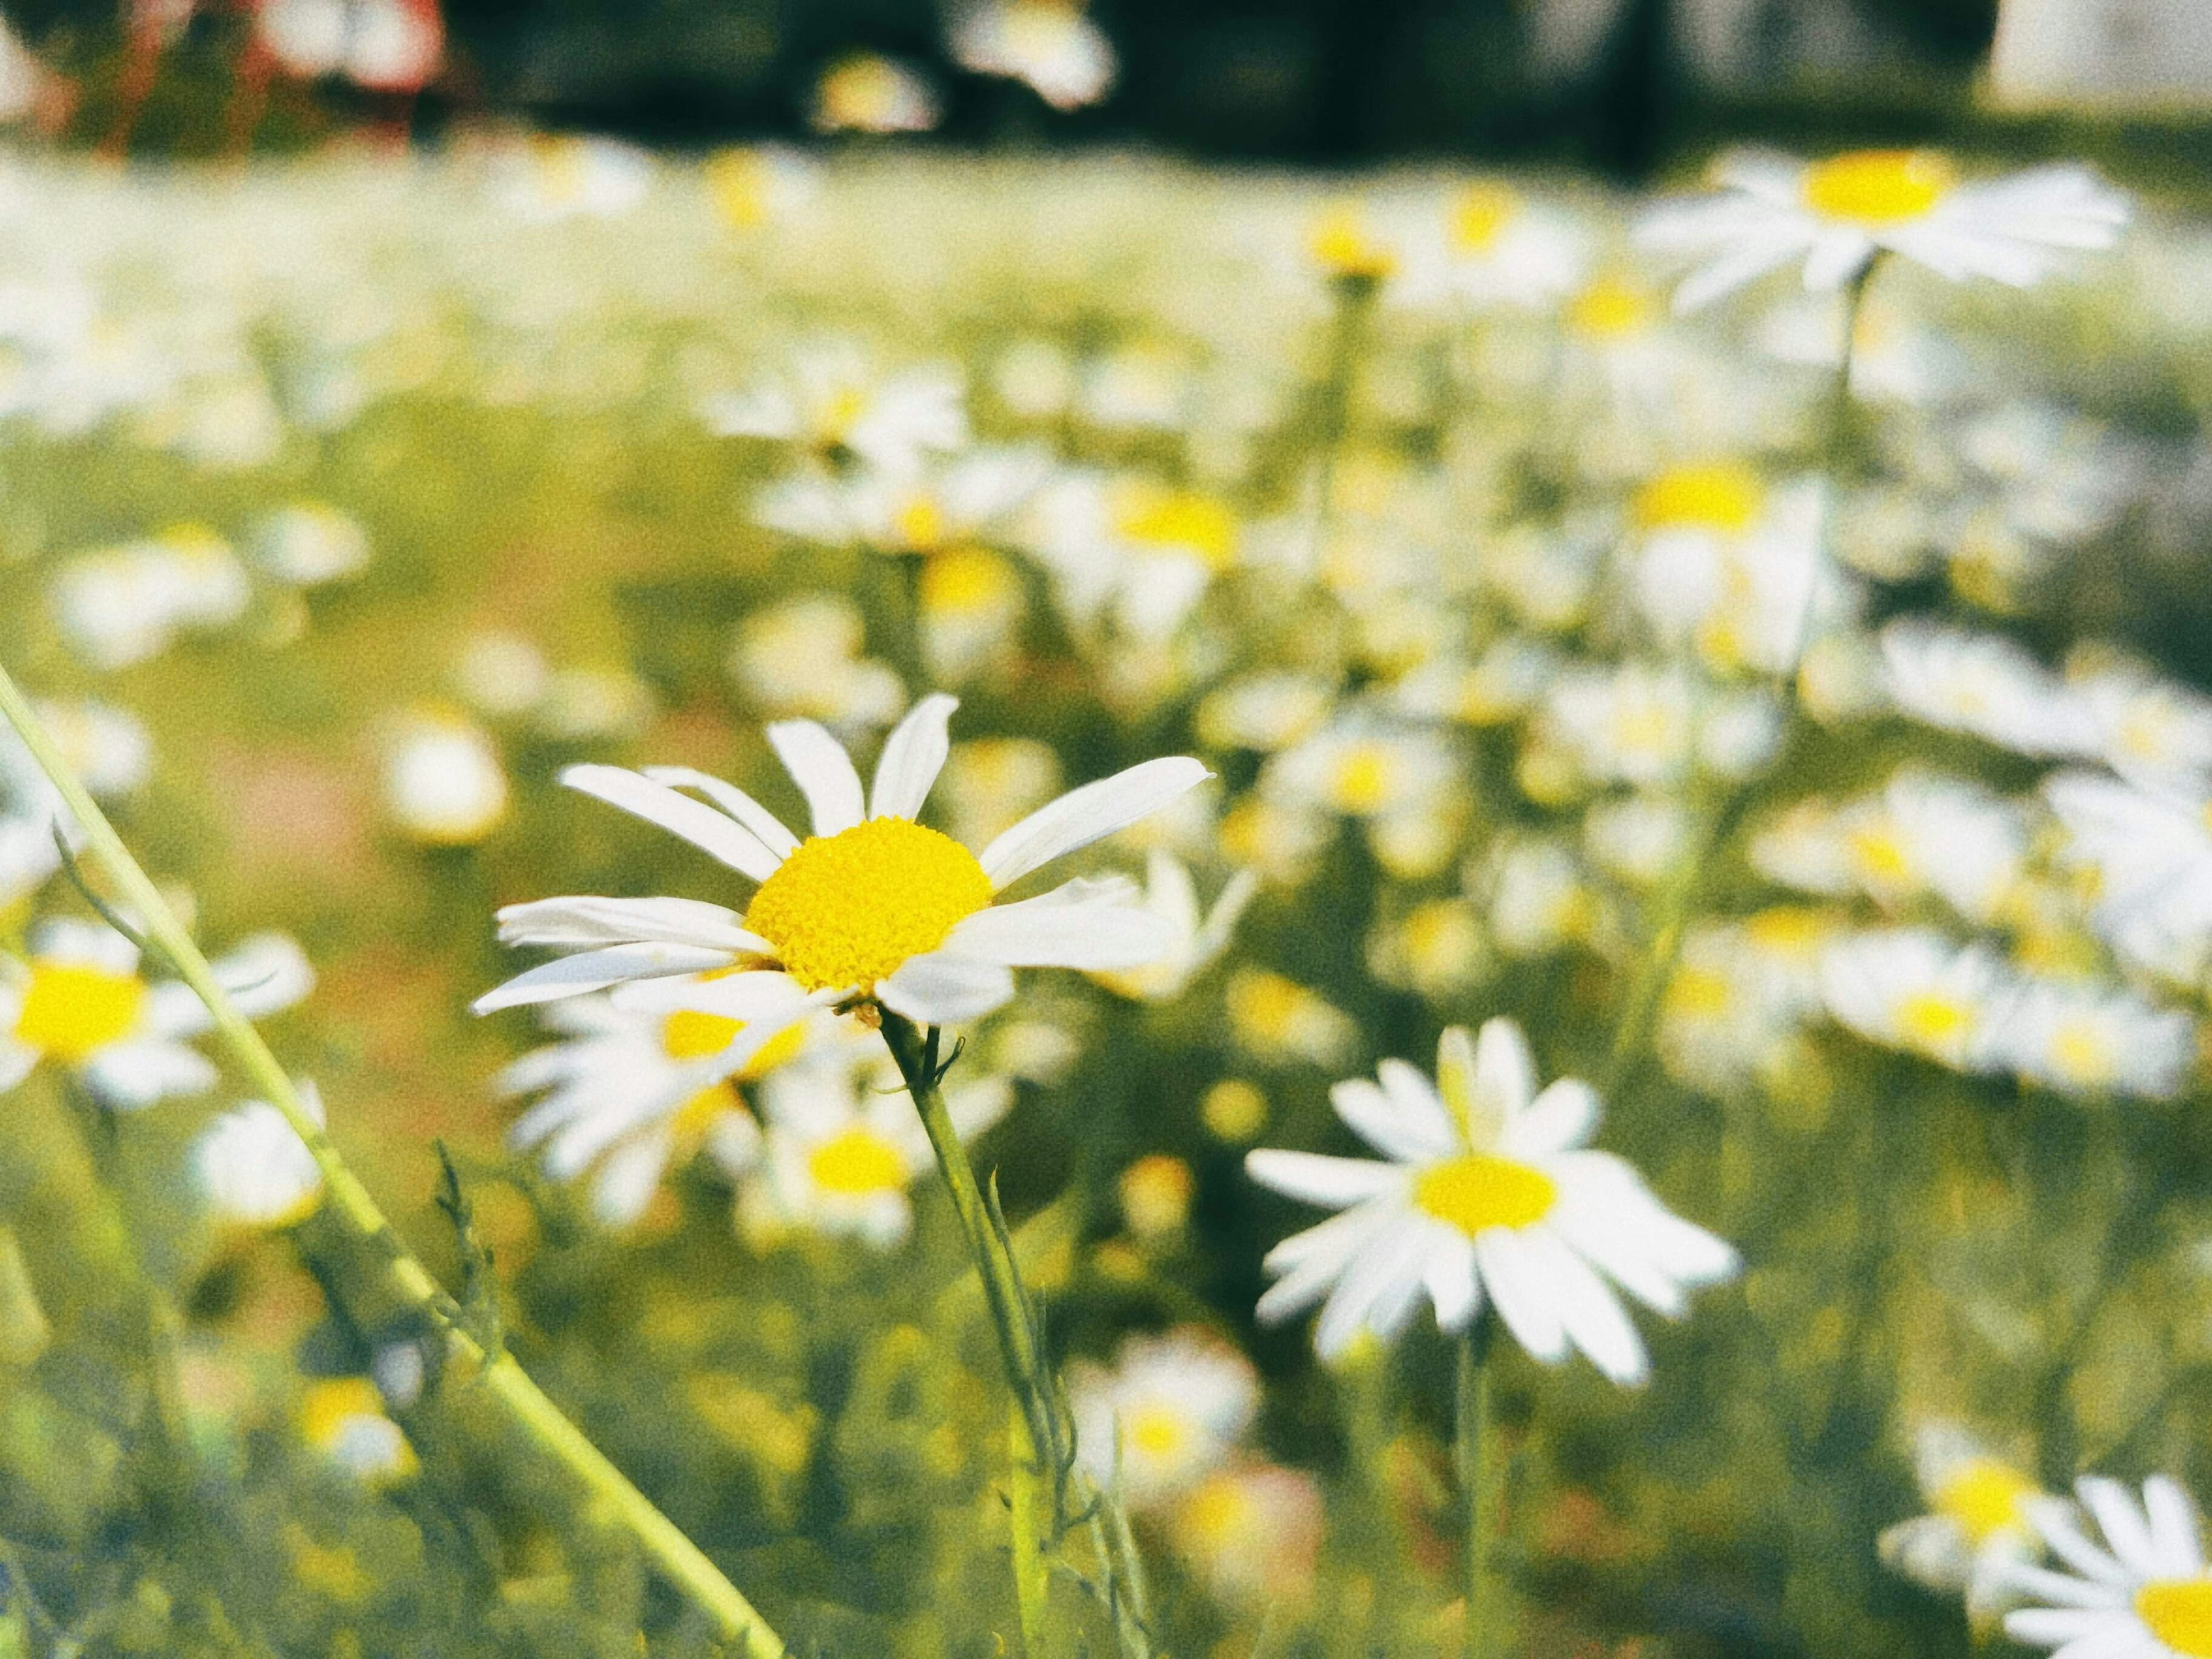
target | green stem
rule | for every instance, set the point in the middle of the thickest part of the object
(1470, 1428)
(1029, 1555)
(685, 1564)
(1036, 1394)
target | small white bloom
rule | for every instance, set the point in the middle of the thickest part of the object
(2093, 1041)
(309, 544)
(1979, 1526)
(1168, 1413)
(128, 603)
(1049, 45)
(1489, 1190)
(831, 397)
(443, 782)
(1984, 685)
(2149, 843)
(253, 1170)
(1200, 938)
(1909, 988)
(2146, 1594)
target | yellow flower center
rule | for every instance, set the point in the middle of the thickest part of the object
(1360, 782)
(2179, 1612)
(857, 1163)
(1482, 212)
(736, 182)
(1155, 1431)
(2082, 1054)
(1880, 856)
(561, 169)
(1343, 247)
(965, 582)
(1696, 992)
(1478, 1192)
(1183, 520)
(1877, 186)
(1725, 496)
(1985, 1499)
(919, 526)
(1789, 929)
(1609, 309)
(846, 909)
(841, 413)
(687, 1035)
(70, 1009)
(1934, 1021)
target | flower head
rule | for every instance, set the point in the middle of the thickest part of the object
(1166, 1416)
(2146, 1594)
(1489, 1189)
(1980, 1525)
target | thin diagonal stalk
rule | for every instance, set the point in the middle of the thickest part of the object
(1036, 1393)
(1029, 1554)
(681, 1561)
(1471, 1432)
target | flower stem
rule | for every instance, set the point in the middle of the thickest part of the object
(1029, 1555)
(1471, 1424)
(1036, 1396)
(498, 1374)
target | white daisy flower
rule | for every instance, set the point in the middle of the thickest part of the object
(843, 1145)
(2143, 722)
(309, 543)
(1981, 684)
(1048, 45)
(126, 604)
(831, 399)
(2086, 1039)
(253, 1170)
(2149, 844)
(628, 1093)
(1924, 833)
(1837, 214)
(1723, 561)
(1489, 245)
(2146, 1594)
(871, 907)
(803, 657)
(915, 506)
(1909, 988)
(1200, 936)
(443, 782)
(755, 184)
(81, 1001)
(1490, 1189)
(344, 1418)
(1132, 548)
(1170, 1410)
(1979, 1526)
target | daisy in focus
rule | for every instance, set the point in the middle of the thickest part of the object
(2146, 1594)
(81, 1001)
(872, 908)
(1836, 214)
(1979, 1526)
(1489, 1190)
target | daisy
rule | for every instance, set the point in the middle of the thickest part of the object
(1489, 1189)
(755, 184)
(127, 603)
(1198, 936)
(309, 544)
(871, 908)
(1981, 684)
(1837, 214)
(2146, 1594)
(1722, 561)
(1489, 245)
(343, 1418)
(1142, 551)
(1166, 1415)
(81, 1001)
(1980, 1522)
(803, 657)
(547, 178)
(1909, 988)
(917, 505)
(2090, 1040)
(2148, 844)
(253, 1170)
(843, 1145)
(1252, 1534)
(627, 1093)
(2141, 721)
(443, 782)
(1048, 45)
(831, 400)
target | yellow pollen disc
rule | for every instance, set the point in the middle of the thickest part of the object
(1789, 929)
(965, 580)
(736, 182)
(1609, 309)
(1698, 991)
(1479, 1192)
(2179, 1612)
(1482, 212)
(846, 909)
(329, 1404)
(1877, 186)
(1155, 1431)
(857, 1163)
(685, 1034)
(70, 1009)
(919, 526)
(1985, 1499)
(1182, 519)
(1936, 1022)
(1361, 780)
(697, 1115)
(1880, 855)
(1343, 247)
(841, 413)
(2082, 1054)
(1724, 496)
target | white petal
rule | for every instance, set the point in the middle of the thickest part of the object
(1835, 260)
(130, 1076)
(1090, 925)
(764, 824)
(2052, 1627)
(1082, 816)
(750, 995)
(913, 756)
(1310, 1261)
(822, 771)
(721, 837)
(263, 975)
(1563, 1117)
(1398, 1124)
(626, 1178)
(2127, 1534)
(1379, 1275)
(594, 970)
(1317, 1178)
(1504, 1071)
(16, 1060)
(1524, 1300)
(940, 989)
(2173, 1533)
(1593, 1319)
(2062, 1589)
(587, 921)
(2070, 1545)
(1450, 1278)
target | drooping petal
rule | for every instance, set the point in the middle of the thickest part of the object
(594, 970)
(941, 988)
(1318, 1178)
(1522, 1299)
(585, 921)
(131, 1076)
(769, 829)
(822, 771)
(1595, 1320)
(1375, 1283)
(624, 1183)
(1309, 1262)
(913, 756)
(1453, 1286)
(719, 836)
(1089, 925)
(1082, 816)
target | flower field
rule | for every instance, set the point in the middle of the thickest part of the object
(1086, 907)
